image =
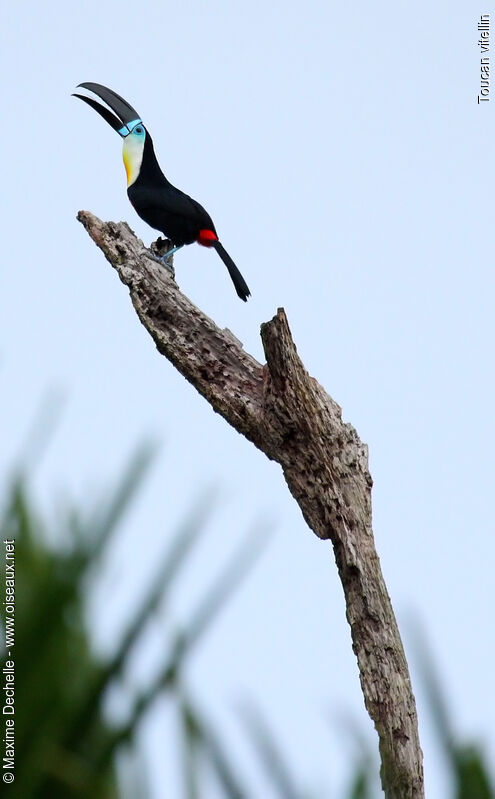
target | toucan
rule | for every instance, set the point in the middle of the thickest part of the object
(153, 197)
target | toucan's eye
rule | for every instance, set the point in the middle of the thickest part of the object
(139, 130)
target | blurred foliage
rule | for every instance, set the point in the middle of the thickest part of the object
(469, 771)
(65, 747)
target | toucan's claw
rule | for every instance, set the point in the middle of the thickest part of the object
(170, 269)
(163, 261)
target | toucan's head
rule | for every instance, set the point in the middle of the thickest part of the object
(125, 120)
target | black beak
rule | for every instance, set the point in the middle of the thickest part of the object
(125, 112)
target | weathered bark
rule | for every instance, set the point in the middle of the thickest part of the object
(289, 416)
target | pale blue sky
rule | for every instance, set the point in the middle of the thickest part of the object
(348, 169)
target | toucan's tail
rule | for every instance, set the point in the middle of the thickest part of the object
(237, 279)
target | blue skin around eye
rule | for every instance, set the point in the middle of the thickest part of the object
(131, 128)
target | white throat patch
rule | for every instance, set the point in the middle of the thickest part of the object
(132, 153)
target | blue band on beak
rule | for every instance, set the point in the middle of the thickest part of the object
(129, 127)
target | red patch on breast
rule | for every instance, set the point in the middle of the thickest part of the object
(207, 237)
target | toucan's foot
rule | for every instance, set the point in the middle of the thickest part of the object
(167, 264)
(164, 258)
(163, 261)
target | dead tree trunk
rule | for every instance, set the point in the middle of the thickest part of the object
(289, 416)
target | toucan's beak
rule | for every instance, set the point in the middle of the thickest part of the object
(127, 117)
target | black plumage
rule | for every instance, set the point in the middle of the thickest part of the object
(163, 206)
